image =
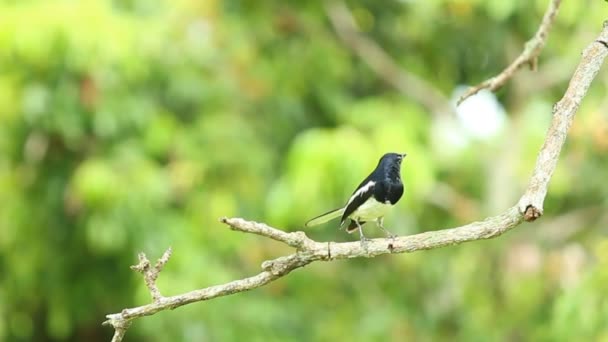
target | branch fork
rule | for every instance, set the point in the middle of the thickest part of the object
(151, 273)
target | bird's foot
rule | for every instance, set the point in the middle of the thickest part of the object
(364, 242)
(387, 233)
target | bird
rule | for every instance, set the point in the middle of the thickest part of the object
(372, 199)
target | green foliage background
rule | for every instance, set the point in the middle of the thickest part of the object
(132, 125)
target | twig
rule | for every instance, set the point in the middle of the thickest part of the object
(292, 239)
(151, 273)
(529, 55)
(530, 207)
(382, 64)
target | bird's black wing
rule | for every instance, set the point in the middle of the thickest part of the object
(362, 194)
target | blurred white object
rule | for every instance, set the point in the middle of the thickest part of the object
(481, 115)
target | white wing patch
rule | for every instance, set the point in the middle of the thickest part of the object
(360, 191)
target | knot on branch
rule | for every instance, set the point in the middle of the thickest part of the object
(532, 213)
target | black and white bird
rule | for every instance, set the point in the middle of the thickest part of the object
(372, 199)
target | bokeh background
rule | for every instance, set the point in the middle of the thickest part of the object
(133, 125)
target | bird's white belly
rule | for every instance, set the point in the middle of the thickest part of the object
(371, 210)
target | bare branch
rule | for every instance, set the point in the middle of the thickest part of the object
(531, 203)
(529, 56)
(315, 251)
(382, 64)
(529, 207)
(296, 239)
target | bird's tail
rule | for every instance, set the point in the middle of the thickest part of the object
(328, 216)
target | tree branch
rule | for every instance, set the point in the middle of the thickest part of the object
(530, 207)
(529, 55)
(382, 64)
(531, 203)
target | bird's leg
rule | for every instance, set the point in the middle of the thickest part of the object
(363, 238)
(380, 224)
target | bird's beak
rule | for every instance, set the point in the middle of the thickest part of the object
(403, 155)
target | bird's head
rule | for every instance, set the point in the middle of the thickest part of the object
(390, 163)
(392, 158)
